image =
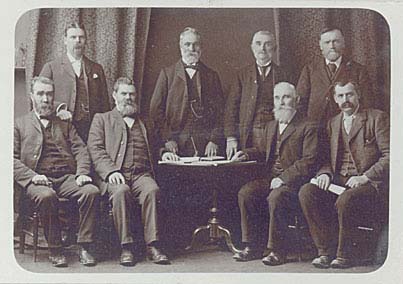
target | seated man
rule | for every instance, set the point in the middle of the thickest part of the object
(51, 161)
(358, 149)
(120, 150)
(290, 154)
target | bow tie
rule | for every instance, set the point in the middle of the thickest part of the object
(47, 117)
(195, 67)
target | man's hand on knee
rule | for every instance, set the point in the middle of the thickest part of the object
(41, 180)
(83, 180)
(116, 178)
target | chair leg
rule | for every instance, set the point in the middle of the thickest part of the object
(298, 233)
(110, 230)
(35, 224)
(21, 225)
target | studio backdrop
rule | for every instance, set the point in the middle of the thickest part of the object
(138, 42)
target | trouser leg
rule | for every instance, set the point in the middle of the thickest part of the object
(318, 208)
(87, 197)
(252, 206)
(281, 201)
(352, 205)
(46, 201)
(147, 193)
(121, 199)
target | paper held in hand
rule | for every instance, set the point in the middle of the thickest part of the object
(337, 189)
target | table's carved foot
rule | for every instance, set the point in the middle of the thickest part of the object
(227, 235)
(195, 232)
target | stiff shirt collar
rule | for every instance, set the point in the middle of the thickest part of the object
(337, 62)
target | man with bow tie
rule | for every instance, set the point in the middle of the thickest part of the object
(51, 161)
(80, 84)
(318, 77)
(186, 106)
(357, 158)
(289, 150)
(250, 101)
(119, 147)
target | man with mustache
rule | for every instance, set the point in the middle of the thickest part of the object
(317, 78)
(288, 149)
(250, 102)
(187, 103)
(119, 147)
(51, 161)
(357, 158)
(80, 84)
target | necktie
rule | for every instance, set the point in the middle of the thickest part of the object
(263, 70)
(332, 68)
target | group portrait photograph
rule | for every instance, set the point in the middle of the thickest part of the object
(167, 141)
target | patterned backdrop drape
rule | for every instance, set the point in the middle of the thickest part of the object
(116, 38)
(367, 41)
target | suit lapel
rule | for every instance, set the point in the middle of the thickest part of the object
(118, 119)
(334, 140)
(358, 123)
(87, 66)
(67, 67)
(271, 130)
(35, 122)
(288, 131)
(323, 73)
(180, 70)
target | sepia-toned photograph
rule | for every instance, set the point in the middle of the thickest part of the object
(201, 140)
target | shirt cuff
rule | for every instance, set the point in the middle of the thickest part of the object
(231, 138)
(60, 107)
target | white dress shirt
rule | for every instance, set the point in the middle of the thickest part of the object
(76, 63)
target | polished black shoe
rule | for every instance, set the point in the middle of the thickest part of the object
(273, 258)
(156, 256)
(341, 263)
(247, 254)
(58, 260)
(322, 261)
(126, 258)
(86, 258)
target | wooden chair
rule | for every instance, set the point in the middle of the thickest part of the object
(28, 222)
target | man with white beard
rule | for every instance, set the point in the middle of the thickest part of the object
(187, 104)
(288, 147)
(119, 147)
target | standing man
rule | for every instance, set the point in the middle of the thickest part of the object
(187, 103)
(318, 77)
(51, 161)
(250, 101)
(119, 147)
(358, 159)
(80, 84)
(289, 151)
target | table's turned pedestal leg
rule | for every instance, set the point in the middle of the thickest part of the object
(216, 232)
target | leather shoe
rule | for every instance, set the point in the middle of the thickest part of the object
(58, 260)
(273, 259)
(86, 258)
(247, 254)
(341, 263)
(322, 261)
(156, 256)
(126, 258)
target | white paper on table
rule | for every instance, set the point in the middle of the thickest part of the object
(337, 189)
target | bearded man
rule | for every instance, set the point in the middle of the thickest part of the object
(187, 103)
(51, 161)
(288, 147)
(120, 150)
